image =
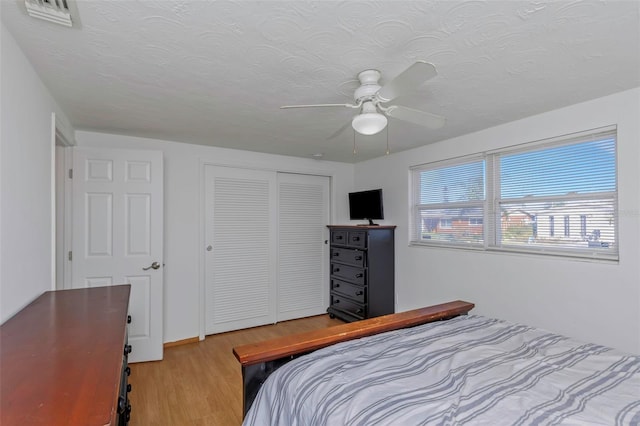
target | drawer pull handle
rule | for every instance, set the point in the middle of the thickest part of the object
(356, 238)
(336, 269)
(128, 371)
(128, 319)
(127, 349)
(360, 275)
(359, 293)
(336, 254)
(336, 285)
(129, 387)
(336, 301)
(359, 311)
(338, 237)
(358, 257)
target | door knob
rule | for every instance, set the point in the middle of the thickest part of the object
(154, 265)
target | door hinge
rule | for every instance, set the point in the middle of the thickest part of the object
(70, 173)
(70, 256)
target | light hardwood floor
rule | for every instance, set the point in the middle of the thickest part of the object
(201, 383)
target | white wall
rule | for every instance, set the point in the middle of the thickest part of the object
(598, 302)
(26, 165)
(182, 251)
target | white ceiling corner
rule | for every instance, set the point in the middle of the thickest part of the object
(216, 73)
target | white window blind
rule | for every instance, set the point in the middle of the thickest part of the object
(574, 180)
(554, 197)
(449, 205)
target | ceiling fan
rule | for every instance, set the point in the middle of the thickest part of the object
(371, 99)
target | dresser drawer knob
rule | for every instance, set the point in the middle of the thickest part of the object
(128, 371)
(128, 319)
(337, 285)
(336, 301)
(336, 254)
(356, 238)
(129, 387)
(358, 257)
(359, 275)
(359, 311)
(127, 349)
(359, 293)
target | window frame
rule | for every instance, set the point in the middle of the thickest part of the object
(491, 205)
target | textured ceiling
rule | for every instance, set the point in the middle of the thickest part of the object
(216, 72)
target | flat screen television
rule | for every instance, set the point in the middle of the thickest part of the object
(366, 205)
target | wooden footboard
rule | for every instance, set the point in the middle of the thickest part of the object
(260, 359)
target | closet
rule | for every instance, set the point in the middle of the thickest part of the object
(265, 256)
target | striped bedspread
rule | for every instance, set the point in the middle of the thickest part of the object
(469, 370)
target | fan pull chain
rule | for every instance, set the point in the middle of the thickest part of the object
(354, 142)
(388, 138)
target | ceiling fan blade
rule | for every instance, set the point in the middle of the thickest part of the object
(415, 116)
(407, 81)
(317, 105)
(340, 130)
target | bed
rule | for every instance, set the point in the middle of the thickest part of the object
(468, 369)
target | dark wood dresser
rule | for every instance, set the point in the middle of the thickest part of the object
(63, 359)
(362, 271)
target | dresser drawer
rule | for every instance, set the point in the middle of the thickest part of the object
(350, 256)
(354, 292)
(346, 305)
(357, 239)
(339, 237)
(349, 273)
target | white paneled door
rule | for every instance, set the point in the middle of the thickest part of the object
(303, 216)
(117, 235)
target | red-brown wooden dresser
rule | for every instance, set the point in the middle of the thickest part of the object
(63, 359)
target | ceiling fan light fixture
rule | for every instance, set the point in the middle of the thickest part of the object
(369, 123)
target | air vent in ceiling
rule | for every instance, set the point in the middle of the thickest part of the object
(56, 11)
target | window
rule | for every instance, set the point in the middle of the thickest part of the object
(445, 223)
(507, 200)
(448, 199)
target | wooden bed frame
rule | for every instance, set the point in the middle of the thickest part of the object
(260, 359)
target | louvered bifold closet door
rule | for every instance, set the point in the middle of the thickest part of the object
(303, 215)
(240, 256)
